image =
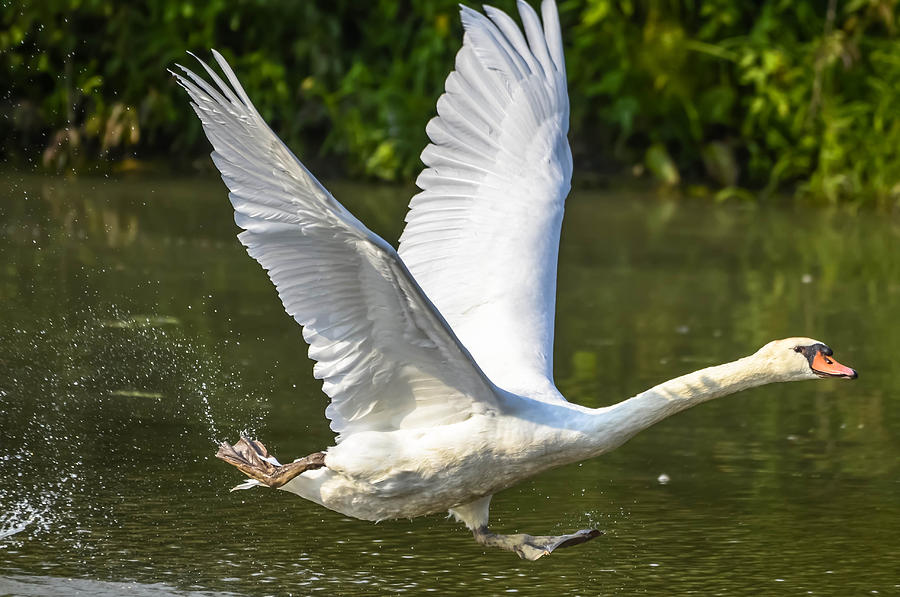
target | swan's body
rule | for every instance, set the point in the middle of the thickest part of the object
(438, 360)
(407, 473)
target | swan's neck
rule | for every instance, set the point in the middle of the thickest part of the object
(615, 424)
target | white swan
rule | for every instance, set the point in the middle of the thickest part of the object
(438, 360)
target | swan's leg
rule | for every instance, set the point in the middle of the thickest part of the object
(532, 547)
(529, 547)
(252, 459)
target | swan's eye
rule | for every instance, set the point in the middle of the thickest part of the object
(798, 349)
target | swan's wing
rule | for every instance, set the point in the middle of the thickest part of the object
(387, 357)
(482, 237)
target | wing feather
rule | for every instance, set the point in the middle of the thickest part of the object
(482, 237)
(387, 358)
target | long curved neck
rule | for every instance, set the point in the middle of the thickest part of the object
(616, 424)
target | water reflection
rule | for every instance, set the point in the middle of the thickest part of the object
(136, 331)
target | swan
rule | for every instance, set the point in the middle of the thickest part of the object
(438, 357)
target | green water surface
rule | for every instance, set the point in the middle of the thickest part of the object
(135, 331)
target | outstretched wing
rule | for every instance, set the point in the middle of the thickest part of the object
(482, 238)
(387, 357)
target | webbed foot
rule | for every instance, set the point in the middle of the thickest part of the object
(532, 547)
(253, 459)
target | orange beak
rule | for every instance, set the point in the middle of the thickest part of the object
(825, 366)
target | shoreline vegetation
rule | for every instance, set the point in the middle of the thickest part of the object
(721, 99)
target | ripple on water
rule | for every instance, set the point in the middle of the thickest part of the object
(52, 586)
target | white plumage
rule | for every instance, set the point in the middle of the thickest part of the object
(498, 154)
(386, 357)
(438, 360)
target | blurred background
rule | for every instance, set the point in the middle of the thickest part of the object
(721, 98)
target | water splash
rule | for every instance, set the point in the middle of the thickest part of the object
(80, 398)
(16, 517)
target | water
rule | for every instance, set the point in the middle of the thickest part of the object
(135, 331)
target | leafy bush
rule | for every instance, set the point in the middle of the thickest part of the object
(775, 96)
(772, 95)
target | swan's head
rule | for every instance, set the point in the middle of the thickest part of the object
(794, 359)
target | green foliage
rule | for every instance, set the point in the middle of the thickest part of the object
(348, 79)
(772, 95)
(776, 95)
